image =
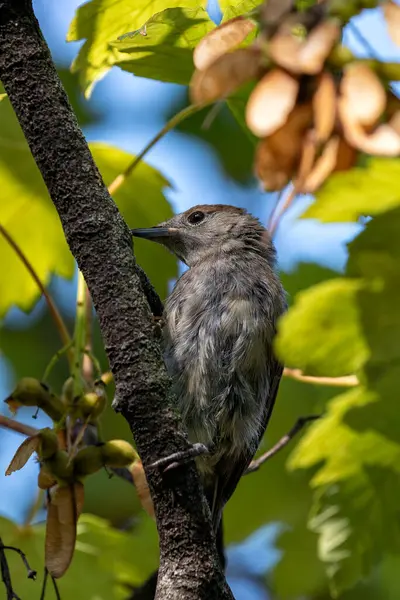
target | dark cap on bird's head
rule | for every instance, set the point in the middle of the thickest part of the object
(208, 229)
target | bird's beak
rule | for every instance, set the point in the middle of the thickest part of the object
(153, 233)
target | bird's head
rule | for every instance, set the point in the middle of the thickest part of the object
(207, 230)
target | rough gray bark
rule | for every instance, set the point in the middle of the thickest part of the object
(100, 241)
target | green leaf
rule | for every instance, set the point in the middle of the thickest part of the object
(368, 191)
(338, 451)
(357, 521)
(238, 7)
(29, 217)
(105, 559)
(163, 48)
(321, 334)
(355, 511)
(100, 22)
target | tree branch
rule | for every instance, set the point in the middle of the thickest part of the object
(100, 241)
(345, 381)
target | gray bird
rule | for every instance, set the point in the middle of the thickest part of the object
(220, 321)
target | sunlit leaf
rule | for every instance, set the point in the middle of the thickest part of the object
(105, 559)
(368, 191)
(100, 22)
(163, 48)
(29, 217)
(321, 333)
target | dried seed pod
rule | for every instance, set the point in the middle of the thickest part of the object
(304, 55)
(324, 106)
(391, 11)
(382, 141)
(278, 156)
(63, 510)
(323, 167)
(23, 454)
(220, 40)
(271, 102)
(44, 443)
(363, 97)
(225, 75)
(346, 156)
(316, 48)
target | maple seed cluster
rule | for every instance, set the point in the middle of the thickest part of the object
(313, 105)
(64, 460)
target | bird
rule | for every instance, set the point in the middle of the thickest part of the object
(219, 324)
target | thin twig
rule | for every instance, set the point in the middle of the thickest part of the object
(275, 208)
(346, 381)
(5, 570)
(5, 575)
(176, 120)
(8, 423)
(43, 592)
(31, 572)
(278, 213)
(57, 318)
(298, 426)
(55, 586)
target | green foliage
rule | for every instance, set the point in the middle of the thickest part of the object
(29, 217)
(354, 450)
(100, 22)
(163, 48)
(334, 490)
(235, 9)
(347, 196)
(26, 202)
(327, 312)
(105, 560)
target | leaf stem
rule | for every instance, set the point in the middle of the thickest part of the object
(21, 428)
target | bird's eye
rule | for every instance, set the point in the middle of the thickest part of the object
(196, 217)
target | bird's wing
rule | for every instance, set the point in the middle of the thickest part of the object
(228, 471)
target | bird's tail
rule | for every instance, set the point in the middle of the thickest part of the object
(219, 540)
(216, 517)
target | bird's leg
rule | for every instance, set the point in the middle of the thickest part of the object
(178, 459)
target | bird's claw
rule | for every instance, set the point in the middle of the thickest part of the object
(177, 459)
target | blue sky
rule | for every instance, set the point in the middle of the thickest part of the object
(134, 111)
